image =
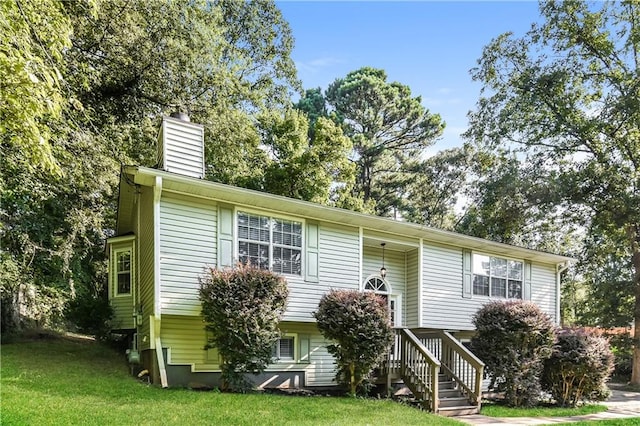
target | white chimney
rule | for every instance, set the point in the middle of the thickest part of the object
(181, 146)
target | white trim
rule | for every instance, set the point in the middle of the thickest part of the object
(264, 213)
(284, 205)
(296, 354)
(420, 282)
(114, 269)
(157, 194)
(378, 276)
(361, 257)
(491, 297)
(120, 239)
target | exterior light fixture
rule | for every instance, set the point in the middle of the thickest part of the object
(383, 270)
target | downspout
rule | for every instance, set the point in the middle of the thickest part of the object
(560, 268)
(157, 313)
(420, 283)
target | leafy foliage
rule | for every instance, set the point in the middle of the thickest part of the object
(359, 324)
(513, 339)
(387, 126)
(566, 93)
(578, 368)
(241, 308)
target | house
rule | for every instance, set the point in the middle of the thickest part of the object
(171, 224)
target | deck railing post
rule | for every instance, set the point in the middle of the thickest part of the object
(435, 371)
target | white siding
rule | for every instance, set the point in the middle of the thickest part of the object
(443, 305)
(339, 253)
(187, 245)
(412, 293)
(182, 148)
(543, 288)
(185, 339)
(394, 262)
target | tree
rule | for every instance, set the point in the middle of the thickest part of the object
(513, 339)
(359, 324)
(90, 80)
(567, 93)
(302, 167)
(387, 127)
(35, 35)
(242, 308)
(435, 186)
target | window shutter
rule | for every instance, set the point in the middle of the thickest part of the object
(311, 254)
(466, 274)
(304, 348)
(526, 292)
(225, 237)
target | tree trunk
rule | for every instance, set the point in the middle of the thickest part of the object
(634, 233)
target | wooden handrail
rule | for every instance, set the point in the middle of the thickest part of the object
(473, 362)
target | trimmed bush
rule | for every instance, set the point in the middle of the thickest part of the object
(359, 324)
(242, 308)
(513, 339)
(579, 366)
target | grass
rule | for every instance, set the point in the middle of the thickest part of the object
(493, 409)
(612, 422)
(65, 381)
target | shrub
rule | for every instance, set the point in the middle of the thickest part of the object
(242, 308)
(359, 324)
(579, 366)
(622, 348)
(91, 312)
(513, 339)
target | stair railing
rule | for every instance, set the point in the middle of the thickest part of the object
(419, 369)
(462, 365)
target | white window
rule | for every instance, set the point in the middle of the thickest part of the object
(497, 277)
(378, 285)
(284, 349)
(270, 243)
(123, 272)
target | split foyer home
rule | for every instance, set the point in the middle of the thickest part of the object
(172, 223)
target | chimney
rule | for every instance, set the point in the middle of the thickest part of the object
(181, 146)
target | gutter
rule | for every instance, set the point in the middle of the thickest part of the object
(560, 268)
(161, 366)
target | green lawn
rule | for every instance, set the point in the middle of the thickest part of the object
(496, 410)
(64, 381)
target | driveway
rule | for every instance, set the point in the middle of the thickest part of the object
(621, 404)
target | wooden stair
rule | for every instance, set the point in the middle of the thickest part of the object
(447, 384)
(451, 401)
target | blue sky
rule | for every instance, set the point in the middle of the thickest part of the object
(429, 46)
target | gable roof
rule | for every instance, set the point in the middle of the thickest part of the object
(249, 198)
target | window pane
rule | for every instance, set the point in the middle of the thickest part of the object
(515, 270)
(498, 287)
(254, 254)
(124, 261)
(481, 285)
(124, 283)
(287, 261)
(498, 267)
(481, 264)
(515, 289)
(376, 284)
(286, 348)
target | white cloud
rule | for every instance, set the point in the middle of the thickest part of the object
(315, 65)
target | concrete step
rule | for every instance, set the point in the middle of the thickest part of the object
(454, 401)
(462, 410)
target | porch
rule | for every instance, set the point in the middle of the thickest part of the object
(442, 374)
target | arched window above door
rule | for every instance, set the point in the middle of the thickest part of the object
(377, 284)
